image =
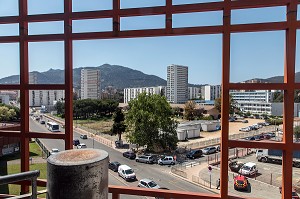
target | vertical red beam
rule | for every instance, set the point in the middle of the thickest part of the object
(24, 93)
(225, 98)
(169, 16)
(288, 117)
(116, 17)
(68, 75)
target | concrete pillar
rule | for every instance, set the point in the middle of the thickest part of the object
(78, 174)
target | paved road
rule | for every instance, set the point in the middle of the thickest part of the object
(160, 174)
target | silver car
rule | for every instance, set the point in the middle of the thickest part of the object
(147, 183)
(145, 159)
(209, 150)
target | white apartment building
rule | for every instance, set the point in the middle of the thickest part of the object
(43, 97)
(132, 93)
(90, 84)
(256, 102)
(194, 92)
(211, 92)
(177, 84)
(4, 99)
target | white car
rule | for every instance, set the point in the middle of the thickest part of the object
(146, 183)
(248, 169)
(81, 146)
(54, 151)
(126, 172)
(166, 160)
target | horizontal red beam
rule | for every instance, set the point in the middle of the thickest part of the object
(46, 87)
(10, 133)
(256, 144)
(255, 27)
(155, 10)
(297, 85)
(45, 135)
(10, 86)
(9, 39)
(257, 86)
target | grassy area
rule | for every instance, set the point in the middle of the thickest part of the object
(34, 151)
(15, 168)
(102, 125)
(7, 168)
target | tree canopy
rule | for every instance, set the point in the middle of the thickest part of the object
(119, 124)
(149, 122)
(9, 113)
(232, 105)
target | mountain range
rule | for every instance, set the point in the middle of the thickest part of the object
(114, 75)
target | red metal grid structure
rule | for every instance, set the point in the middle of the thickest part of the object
(290, 26)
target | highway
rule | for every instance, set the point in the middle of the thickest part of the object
(160, 174)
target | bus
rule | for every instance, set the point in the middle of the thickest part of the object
(52, 126)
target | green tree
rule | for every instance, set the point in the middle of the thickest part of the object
(7, 114)
(119, 125)
(60, 108)
(149, 122)
(189, 110)
(297, 132)
(232, 105)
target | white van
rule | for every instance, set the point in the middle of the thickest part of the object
(126, 172)
(248, 169)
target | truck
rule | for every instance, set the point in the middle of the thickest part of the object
(275, 156)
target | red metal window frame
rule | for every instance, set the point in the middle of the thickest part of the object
(290, 26)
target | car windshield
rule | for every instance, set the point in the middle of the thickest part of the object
(240, 182)
(129, 171)
(246, 168)
(152, 184)
(294, 194)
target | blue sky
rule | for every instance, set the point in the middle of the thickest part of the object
(252, 54)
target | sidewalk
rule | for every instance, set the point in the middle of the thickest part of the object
(200, 175)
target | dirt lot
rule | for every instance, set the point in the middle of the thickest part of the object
(233, 129)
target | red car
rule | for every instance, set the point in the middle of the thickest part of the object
(240, 182)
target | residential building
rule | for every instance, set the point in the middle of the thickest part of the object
(177, 84)
(109, 93)
(46, 98)
(4, 99)
(90, 84)
(132, 93)
(211, 92)
(194, 92)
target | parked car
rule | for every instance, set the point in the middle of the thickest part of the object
(250, 138)
(209, 150)
(83, 136)
(235, 166)
(54, 151)
(114, 166)
(129, 154)
(294, 193)
(240, 182)
(166, 160)
(76, 142)
(245, 121)
(194, 154)
(259, 137)
(81, 146)
(42, 121)
(219, 148)
(248, 169)
(145, 159)
(147, 183)
(126, 173)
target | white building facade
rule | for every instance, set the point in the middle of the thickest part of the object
(177, 84)
(47, 98)
(132, 93)
(257, 102)
(90, 84)
(4, 99)
(211, 92)
(194, 92)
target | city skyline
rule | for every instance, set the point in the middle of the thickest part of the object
(254, 55)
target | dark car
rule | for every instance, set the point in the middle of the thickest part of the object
(76, 142)
(114, 166)
(240, 183)
(83, 136)
(129, 154)
(235, 166)
(250, 138)
(259, 137)
(194, 154)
